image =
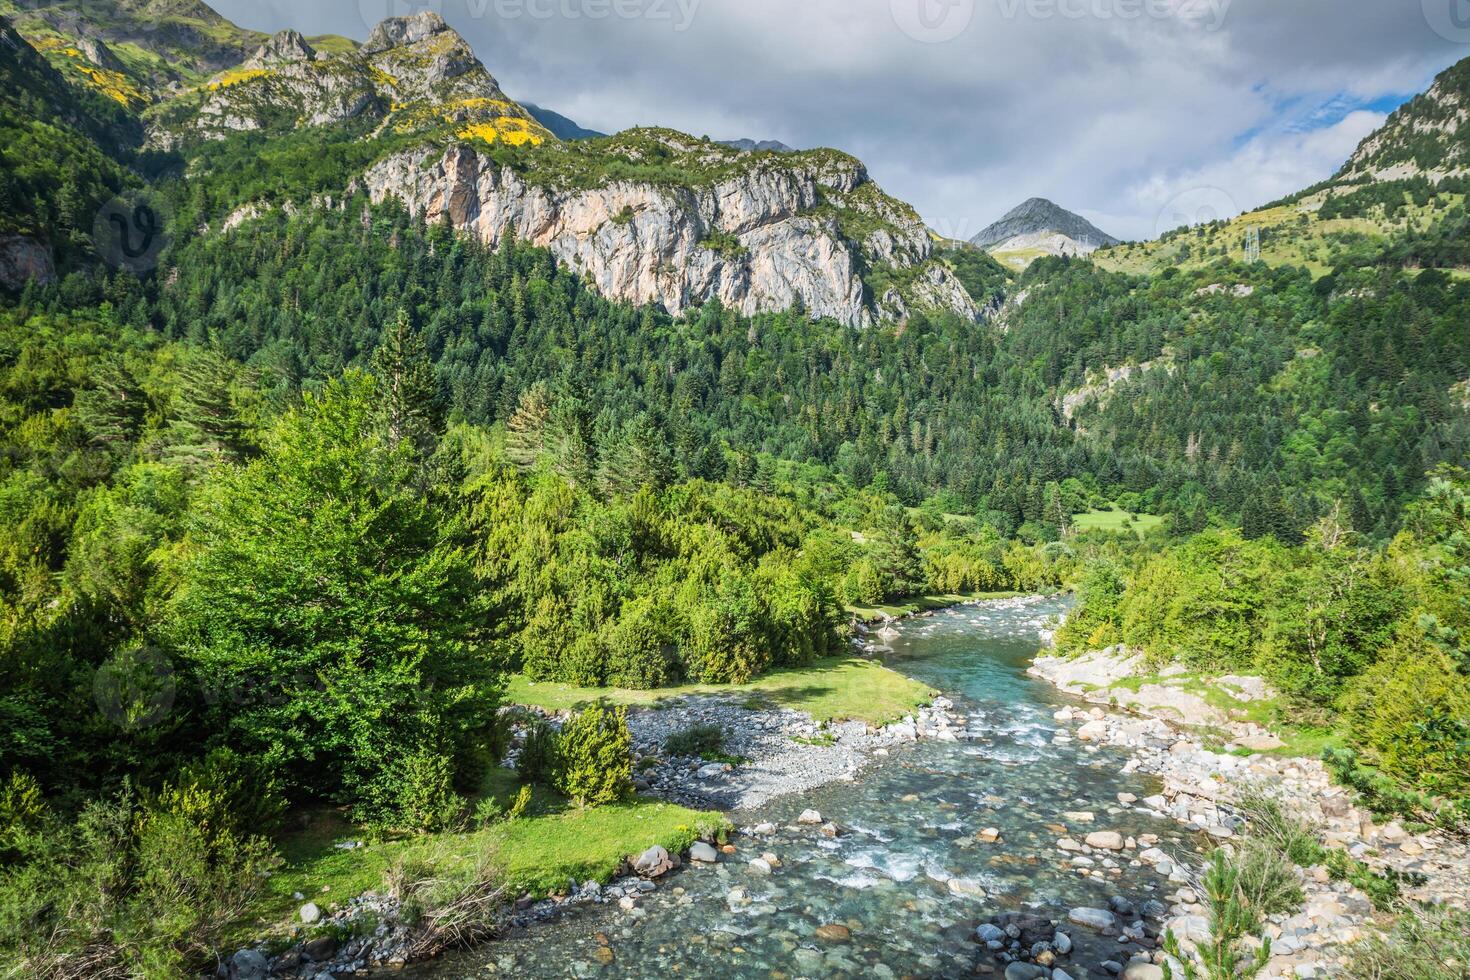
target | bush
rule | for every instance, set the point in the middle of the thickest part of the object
(1412, 711)
(416, 793)
(696, 742)
(537, 761)
(131, 889)
(595, 757)
(1427, 944)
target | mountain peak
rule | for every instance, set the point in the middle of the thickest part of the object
(396, 32)
(283, 47)
(1041, 225)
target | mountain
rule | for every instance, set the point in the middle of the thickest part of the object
(650, 216)
(1039, 227)
(138, 51)
(1401, 194)
(1426, 137)
(561, 126)
(764, 146)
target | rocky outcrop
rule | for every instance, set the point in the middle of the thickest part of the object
(284, 47)
(24, 259)
(757, 238)
(414, 73)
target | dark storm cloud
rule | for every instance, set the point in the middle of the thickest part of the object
(1121, 109)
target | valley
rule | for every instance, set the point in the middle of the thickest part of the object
(442, 538)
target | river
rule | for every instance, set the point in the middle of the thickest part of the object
(911, 822)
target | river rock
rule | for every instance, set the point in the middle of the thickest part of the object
(1062, 943)
(834, 933)
(1143, 971)
(1026, 971)
(1105, 840)
(809, 818)
(966, 887)
(703, 853)
(1100, 919)
(990, 933)
(249, 964)
(310, 913)
(654, 862)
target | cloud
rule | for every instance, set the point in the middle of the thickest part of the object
(1103, 105)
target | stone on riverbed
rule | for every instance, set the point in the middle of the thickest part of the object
(1026, 971)
(1105, 840)
(703, 853)
(834, 933)
(966, 887)
(1100, 919)
(809, 817)
(654, 862)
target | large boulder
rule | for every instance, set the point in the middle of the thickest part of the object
(654, 862)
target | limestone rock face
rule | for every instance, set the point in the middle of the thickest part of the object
(283, 47)
(655, 243)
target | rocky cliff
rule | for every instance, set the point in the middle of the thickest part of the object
(760, 236)
(1427, 136)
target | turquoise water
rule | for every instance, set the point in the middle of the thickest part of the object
(911, 821)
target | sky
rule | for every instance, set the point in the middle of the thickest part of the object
(1138, 114)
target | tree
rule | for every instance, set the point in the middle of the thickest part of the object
(413, 407)
(328, 625)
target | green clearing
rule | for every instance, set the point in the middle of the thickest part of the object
(1117, 521)
(839, 688)
(537, 853)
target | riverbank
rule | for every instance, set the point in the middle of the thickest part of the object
(1168, 730)
(792, 731)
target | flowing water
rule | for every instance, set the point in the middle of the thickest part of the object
(911, 821)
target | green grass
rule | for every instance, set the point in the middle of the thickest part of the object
(1115, 520)
(537, 853)
(840, 688)
(1301, 740)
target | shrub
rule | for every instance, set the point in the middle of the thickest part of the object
(22, 811)
(1412, 711)
(696, 742)
(131, 889)
(1269, 883)
(416, 793)
(1223, 955)
(1425, 944)
(537, 761)
(595, 757)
